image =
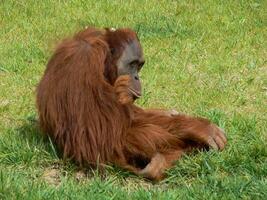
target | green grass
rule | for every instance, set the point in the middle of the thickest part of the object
(205, 58)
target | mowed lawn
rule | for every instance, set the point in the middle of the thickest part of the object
(204, 58)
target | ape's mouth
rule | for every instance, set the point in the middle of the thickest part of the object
(135, 93)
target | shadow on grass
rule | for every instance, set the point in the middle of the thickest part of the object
(26, 145)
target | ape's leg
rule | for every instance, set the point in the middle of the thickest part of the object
(149, 150)
(155, 170)
(189, 132)
(196, 132)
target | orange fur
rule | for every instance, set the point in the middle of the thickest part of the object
(88, 112)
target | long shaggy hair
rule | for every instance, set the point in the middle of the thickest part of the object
(79, 109)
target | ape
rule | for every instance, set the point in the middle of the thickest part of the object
(85, 104)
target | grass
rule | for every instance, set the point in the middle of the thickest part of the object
(205, 58)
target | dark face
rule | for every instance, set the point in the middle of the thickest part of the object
(130, 63)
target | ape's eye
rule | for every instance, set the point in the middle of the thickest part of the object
(112, 51)
(134, 63)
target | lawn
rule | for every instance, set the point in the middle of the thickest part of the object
(204, 58)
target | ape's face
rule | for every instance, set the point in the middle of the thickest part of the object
(130, 63)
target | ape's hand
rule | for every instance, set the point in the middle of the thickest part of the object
(122, 88)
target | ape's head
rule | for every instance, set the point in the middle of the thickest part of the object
(126, 57)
